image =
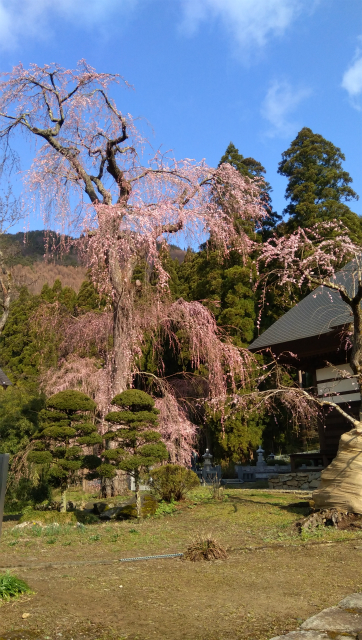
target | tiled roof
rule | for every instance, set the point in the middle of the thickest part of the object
(319, 312)
(4, 380)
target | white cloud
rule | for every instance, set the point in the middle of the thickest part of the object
(251, 22)
(352, 79)
(279, 103)
(38, 18)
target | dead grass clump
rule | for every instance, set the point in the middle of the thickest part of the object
(205, 548)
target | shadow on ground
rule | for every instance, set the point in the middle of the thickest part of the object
(300, 508)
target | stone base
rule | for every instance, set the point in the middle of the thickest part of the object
(305, 481)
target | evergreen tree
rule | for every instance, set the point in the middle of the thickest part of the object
(318, 186)
(233, 437)
(19, 344)
(65, 429)
(224, 287)
(65, 296)
(18, 418)
(224, 284)
(88, 298)
(24, 345)
(138, 444)
(252, 168)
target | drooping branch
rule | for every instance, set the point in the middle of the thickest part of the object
(314, 257)
(301, 404)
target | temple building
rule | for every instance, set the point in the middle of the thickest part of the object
(315, 331)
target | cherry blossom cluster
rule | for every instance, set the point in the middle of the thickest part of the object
(311, 256)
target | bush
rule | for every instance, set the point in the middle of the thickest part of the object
(165, 509)
(173, 482)
(12, 587)
(27, 492)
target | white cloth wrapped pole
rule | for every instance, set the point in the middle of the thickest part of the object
(341, 481)
(4, 465)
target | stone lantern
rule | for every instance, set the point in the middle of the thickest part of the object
(207, 457)
(260, 462)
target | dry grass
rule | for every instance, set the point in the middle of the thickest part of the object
(205, 548)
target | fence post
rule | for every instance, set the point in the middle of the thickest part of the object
(4, 465)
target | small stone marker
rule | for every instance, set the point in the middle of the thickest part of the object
(4, 465)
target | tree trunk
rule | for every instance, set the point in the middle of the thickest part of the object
(138, 495)
(123, 322)
(122, 345)
(6, 290)
(107, 488)
(63, 500)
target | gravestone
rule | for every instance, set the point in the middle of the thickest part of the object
(4, 465)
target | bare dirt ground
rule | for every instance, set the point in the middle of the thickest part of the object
(272, 580)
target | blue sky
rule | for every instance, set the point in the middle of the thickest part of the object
(207, 72)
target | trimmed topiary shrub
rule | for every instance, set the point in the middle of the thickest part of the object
(70, 402)
(135, 400)
(65, 428)
(138, 444)
(173, 482)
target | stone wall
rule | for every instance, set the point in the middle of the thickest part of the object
(308, 480)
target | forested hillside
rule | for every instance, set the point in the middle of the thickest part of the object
(33, 264)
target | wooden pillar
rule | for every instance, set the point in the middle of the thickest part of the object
(4, 465)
